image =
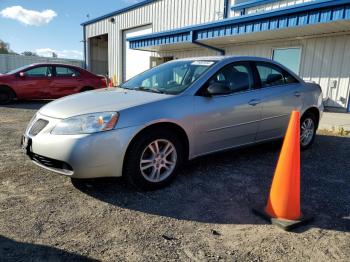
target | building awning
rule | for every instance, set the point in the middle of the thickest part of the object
(318, 17)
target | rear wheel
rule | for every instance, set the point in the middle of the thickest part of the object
(308, 124)
(6, 95)
(153, 160)
(84, 89)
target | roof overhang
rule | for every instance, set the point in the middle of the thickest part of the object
(313, 18)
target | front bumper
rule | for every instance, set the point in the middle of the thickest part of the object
(80, 156)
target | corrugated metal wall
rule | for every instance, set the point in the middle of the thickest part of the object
(10, 62)
(268, 6)
(162, 14)
(325, 60)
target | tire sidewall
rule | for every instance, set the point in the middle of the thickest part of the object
(9, 96)
(132, 170)
(313, 118)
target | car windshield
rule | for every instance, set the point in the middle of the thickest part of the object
(169, 78)
(17, 70)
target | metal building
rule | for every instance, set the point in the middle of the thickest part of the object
(312, 37)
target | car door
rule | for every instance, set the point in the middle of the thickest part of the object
(66, 81)
(227, 120)
(34, 82)
(280, 95)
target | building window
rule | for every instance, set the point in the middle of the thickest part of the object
(289, 57)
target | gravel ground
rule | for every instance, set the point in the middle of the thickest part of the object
(205, 215)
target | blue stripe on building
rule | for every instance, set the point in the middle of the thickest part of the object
(295, 16)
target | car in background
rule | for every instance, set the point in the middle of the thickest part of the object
(47, 81)
(145, 129)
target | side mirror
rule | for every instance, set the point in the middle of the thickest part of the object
(274, 78)
(218, 89)
(22, 74)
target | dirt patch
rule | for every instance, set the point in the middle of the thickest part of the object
(205, 215)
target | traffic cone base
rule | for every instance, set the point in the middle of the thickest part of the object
(285, 224)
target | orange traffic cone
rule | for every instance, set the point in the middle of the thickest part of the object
(283, 205)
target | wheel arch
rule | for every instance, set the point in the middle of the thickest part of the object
(171, 127)
(315, 111)
(10, 89)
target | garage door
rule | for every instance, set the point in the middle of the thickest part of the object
(135, 61)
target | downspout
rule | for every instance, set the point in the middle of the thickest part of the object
(195, 42)
(226, 8)
(84, 41)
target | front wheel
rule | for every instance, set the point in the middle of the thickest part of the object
(6, 96)
(153, 159)
(307, 130)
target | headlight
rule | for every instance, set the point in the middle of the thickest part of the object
(30, 122)
(86, 124)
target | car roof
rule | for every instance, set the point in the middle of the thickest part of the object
(53, 64)
(225, 57)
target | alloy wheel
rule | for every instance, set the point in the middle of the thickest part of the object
(307, 131)
(158, 160)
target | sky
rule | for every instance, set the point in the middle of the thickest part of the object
(46, 26)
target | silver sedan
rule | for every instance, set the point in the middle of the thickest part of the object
(149, 126)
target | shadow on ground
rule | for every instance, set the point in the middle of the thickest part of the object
(11, 250)
(32, 104)
(222, 188)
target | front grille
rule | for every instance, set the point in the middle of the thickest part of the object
(51, 163)
(38, 126)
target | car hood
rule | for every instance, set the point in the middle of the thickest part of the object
(101, 100)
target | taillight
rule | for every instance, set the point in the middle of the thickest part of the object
(103, 82)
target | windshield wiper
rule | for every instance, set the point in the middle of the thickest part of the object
(127, 88)
(142, 88)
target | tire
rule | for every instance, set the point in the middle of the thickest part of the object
(307, 123)
(137, 173)
(85, 89)
(6, 95)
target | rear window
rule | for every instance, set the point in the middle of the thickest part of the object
(272, 75)
(66, 71)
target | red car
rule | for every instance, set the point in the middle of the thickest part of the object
(47, 81)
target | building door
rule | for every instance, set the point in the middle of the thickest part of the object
(98, 58)
(156, 61)
(135, 61)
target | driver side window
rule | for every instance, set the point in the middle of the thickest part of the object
(42, 71)
(233, 78)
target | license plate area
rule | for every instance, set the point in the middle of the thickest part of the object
(26, 145)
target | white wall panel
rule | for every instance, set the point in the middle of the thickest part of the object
(161, 14)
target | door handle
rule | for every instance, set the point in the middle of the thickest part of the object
(254, 102)
(297, 94)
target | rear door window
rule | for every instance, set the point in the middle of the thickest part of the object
(62, 71)
(272, 75)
